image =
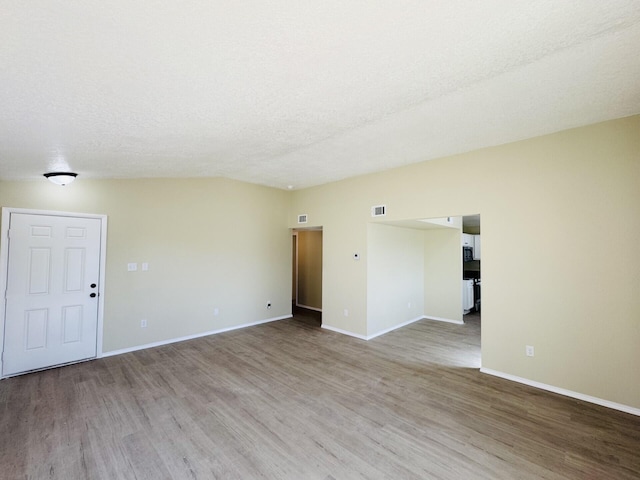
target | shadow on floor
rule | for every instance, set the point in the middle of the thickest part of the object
(308, 317)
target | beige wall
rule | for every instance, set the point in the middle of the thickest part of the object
(560, 223)
(210, 243)
(443, 274)
(395, 277)
(310, 268)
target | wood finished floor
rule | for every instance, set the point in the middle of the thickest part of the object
(287, 400)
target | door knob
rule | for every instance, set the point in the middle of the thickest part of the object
(92, 295)
(93, 285)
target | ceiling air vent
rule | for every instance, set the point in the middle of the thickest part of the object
(302, 218)
(379, 211)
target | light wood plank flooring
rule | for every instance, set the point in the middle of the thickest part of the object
(288, 400)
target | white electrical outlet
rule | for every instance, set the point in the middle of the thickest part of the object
(346, 312)
(132, 267)
(143, 323)
(216, 312)
(529, 351)
(145, 266)
(409, 305)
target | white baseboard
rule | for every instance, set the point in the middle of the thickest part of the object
(447, 320)
(391, 329)
(408, 322)
(190, 337)
(344, 332)
(307, 307)
(562, 391)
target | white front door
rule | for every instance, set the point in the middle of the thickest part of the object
(51, 314)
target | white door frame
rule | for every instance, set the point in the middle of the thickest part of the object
(4, 265)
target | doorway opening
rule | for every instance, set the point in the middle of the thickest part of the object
(419, 264)
(306, 288)
(471, 272)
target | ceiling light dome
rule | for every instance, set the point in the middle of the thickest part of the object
(61, 178)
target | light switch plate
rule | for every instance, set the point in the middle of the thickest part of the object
(132, 267)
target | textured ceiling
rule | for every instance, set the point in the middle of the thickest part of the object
(300, 92)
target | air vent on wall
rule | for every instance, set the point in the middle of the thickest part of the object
(379, 211)
(302, 218)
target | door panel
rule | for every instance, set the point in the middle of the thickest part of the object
(72, 324)
(50, 317)
(36, 328)
(74, 269)
(39, 265)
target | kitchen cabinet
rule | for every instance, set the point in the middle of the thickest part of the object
(476, 247)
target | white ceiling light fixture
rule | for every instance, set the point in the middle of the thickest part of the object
(61, 178)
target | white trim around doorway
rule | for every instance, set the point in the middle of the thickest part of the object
(4, 264)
